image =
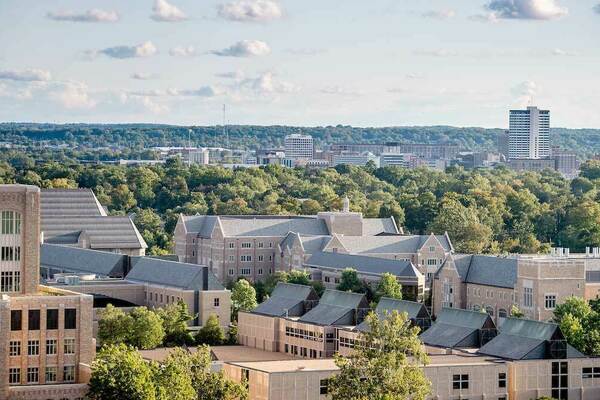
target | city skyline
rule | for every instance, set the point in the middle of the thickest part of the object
(281, 62)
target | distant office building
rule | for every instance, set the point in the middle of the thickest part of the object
(198, 156)
(299, 146)
(424, 150)
(529, 164)
(503, 140)
(270, 156)
(353, 158)
(566, 162)
(375, 148)
(405, 160)
(529, 134)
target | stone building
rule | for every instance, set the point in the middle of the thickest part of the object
(46, 343)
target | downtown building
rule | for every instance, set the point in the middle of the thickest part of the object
(46, 343)
(299, 146)
(529, 134)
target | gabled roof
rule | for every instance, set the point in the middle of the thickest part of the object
(256, 225)
(486, 270)
(103, 232)
(70, 202)
(335, 306)
(388, 244)
(387, 306)
(457, 328)
(76, 260)
(362, 264)
(287, 298)
(170, 273)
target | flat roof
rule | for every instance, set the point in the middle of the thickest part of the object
(223, 354)
(327, 364)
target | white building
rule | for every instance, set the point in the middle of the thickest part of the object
(529, 134)
(354, 158)
(401, 159)
(299, 146)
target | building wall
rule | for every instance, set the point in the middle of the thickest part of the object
(495, 300)
(320, 343)
(259, 331)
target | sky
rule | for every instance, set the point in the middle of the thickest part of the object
(299, 62)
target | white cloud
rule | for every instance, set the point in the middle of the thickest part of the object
(341, 91)
(153, 106)
(245, 48)
(436, 53)
(93, 15)
(26, 75)
(525, 93)
(439, 14)
(268, 83)
(143, 76)
(145, 49)
(526, 9)
(414, 75)
(237, 75)
(163, 11)
(74, 95)
(203, 91)
(251, 10)
(560, 52)
(184, 51)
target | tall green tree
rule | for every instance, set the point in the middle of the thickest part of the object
(387, 364)
(147, 329)
(388, 287)
(114, 326)
(175, 318)
(211, 333)
(243, 297)
(349, 281)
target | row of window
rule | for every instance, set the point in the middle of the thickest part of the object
(10, 253)
(461, 381)
(33, 347)
(150, 296)
(248, 258)
(302, 351)
(490, 294)
(327, 279)
(248, 271)
(303, 334)
(11, 223)
(590, 372)
(10, 281)
(33, 375)
(248, 245)
(33, 319)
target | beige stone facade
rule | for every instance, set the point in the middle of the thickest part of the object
(46, 343)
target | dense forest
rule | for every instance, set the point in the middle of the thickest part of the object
(494, 211)
(585, 142)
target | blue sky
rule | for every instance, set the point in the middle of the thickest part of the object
(299, 62)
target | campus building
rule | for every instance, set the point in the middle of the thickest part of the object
(46, 343)
(469, 356)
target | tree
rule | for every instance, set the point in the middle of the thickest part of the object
(147, 330)
(175, 318)
(119, 372)
(243, 297)
(515, 312)
(349, 281)
(388, 287)
(387, 364)
(298, 277)
(211, 333)
(114, 326)
(580, 324)
(172, 379)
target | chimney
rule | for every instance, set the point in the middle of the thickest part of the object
(204, 278)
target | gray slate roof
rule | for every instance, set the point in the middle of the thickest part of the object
(169, 273)
(455, 328)
(286, 298)
(335, 307)
(105, 232)
(487, 270)
(387, 306)
(70, 202)
(362, 264)
(388, 244)
(376, 226)
(256, 225)
(76, 260)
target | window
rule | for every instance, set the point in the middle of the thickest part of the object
(231, 245)
(460, 381)
(14, 376)
(51, 347)
(431, 249)
(33, 348)
(336, 280)
(270, 244)
(245, 271)
(326, 279)
(161, 298)
(14, 348)
(560, 380)
(216, 302)
(231, 258)
(270, 258)
(261, 257)
(260, 271)
(11, 223)
(231, 271)
(246, 258)
(324, 386)
(69, 346)
(527, 297)
(550, 301)
(70, 318)
(246, 245)
(431, 262)
(261, 245)
(15, 320)
(51, 374)
(33, 375)
(69, 373)
(502, 380)
(589, 372)
(34, 320)
(10, 281)
(52, 319)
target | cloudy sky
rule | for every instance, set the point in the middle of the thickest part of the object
(299, 62)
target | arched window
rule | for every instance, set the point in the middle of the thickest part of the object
(11, 223)
(489, 310)
(502, 313)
